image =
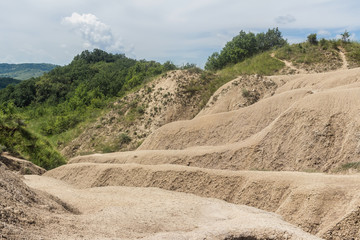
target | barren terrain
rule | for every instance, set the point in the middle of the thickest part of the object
(284, 167)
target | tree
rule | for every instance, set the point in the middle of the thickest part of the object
(312, 39)
(213, 62)
(272, 38)
(245, 45)
(345, 37)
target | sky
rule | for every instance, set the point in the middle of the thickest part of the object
(186, 31)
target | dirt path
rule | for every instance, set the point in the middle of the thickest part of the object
(150, 213)
(345, 64)
(290, 65)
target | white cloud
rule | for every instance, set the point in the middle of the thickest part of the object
(95, 33)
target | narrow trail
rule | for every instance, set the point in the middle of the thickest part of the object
(345, 64)
(290, 65)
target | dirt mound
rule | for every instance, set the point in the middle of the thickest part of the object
(23, 210)
(311, 122)
(347, 228)
(150, 213)
(238, 93)
(138, 114)
(219, 129)
(315, 202)
(20, 165)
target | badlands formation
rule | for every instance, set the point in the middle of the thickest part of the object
(276, 169)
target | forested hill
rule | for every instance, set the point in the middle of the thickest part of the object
(25, 70)
(4, 81)
(65, 97)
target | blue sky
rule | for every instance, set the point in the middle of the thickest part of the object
(180, 31)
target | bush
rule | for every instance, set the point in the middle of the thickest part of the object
(324, 44)
(312, 39)
(245, 93)
(124, 138)
(2, 149)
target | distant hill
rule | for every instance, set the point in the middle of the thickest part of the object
(4, 81)
(25, 70)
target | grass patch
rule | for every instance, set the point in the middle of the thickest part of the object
(85, 118)
(311, 55)
(261, 64)
(353, 53)
(348, 166)
(24, 143)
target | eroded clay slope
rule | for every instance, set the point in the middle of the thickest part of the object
(138, 114)
(238, 93)
(152, 213)
(312, 122)
(25, 211)
(222, 128)
(315, 202)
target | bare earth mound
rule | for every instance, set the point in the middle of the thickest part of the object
(311, 122)
(20, 166)
(149, 213)
(24, 211)
(315, 202)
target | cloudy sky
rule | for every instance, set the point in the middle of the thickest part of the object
(54, 31)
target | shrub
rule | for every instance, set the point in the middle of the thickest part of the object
(324, 44)
(312, 39)
(2, 149)
(124, 138)
(245, 93)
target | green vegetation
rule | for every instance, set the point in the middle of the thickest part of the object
(352, 53)
(60, 103)
(261, 64)
(15, 138)
(312, 54)
(243, 46)
(245, 54)
(321, 55)
(349, 166)
(312, 39)
(25, 70)
(4, 81)
(345, 37)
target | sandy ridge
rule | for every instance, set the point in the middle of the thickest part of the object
(324, 199)
(149, 213)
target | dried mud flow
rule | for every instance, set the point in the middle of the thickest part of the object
(276, 169)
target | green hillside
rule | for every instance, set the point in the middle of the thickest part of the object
(56, 104)
(25, 70)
